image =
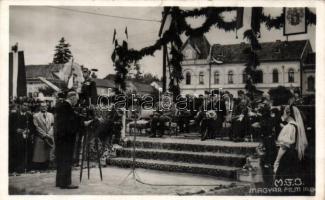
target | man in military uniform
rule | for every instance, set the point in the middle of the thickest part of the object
(88, 94)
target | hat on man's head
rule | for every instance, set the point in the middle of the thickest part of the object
(206, 92)
(85, 69)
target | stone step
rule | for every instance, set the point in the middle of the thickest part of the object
(194, 145)
(213, 170)
(211, 158)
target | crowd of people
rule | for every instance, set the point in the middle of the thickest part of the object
(218, 115)
(31, 141)
(41, 133)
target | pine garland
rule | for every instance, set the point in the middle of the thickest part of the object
(180, 26)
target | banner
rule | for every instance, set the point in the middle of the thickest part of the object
(294, 21)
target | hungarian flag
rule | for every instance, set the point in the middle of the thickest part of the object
(17, 73)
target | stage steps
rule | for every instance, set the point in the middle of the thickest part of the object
(210, 157)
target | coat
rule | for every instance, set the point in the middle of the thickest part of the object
(19, 147)
(44, 126)
(67, 124)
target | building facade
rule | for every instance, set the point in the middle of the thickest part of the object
(286, 63)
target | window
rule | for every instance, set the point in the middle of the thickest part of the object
(275, 76)
(201, 78)
(291, 76)
(259, 76)
(230, 77)
(311, 83)
(188, 78)
(244, 77)
(216, 77)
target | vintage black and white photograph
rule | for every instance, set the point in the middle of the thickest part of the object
(180, 101)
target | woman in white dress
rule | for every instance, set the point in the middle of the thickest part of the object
(292, 143)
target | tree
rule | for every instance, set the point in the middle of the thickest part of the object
(149, 78)
(62, 52)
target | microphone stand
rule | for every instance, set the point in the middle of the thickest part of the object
(133, 172)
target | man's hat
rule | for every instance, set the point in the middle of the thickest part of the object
(85, 69)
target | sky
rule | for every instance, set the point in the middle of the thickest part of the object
(37, 29)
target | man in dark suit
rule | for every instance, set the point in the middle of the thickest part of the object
(21, 128)
(67, 124)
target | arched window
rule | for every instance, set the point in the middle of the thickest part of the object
(244, 76)
(201, 78)
(230, 77)
(216, 77)
(275, 76)
(311, 83)
(259, 76)
(291, 76)
(188, 78)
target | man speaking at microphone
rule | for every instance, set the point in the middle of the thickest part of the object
(67, 124)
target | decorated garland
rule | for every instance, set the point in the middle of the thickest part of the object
(122, 56)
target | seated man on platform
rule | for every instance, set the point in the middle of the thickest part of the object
(209, 117)
(165, 111)
(183, 115)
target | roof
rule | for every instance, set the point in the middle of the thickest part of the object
(270, 51)
(200, 44)
(46, 71)
(104, 83)
(142, 87)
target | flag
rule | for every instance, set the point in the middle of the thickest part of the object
(114, 35)
(126, 33)
(17, 73)
(239, 18)
(166, 21)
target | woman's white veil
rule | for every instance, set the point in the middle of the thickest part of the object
(301, 143)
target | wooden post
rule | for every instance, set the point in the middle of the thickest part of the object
(164, 67)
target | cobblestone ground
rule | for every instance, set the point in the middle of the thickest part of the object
(119, 181)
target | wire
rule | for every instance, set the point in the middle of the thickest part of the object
(106, 15)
